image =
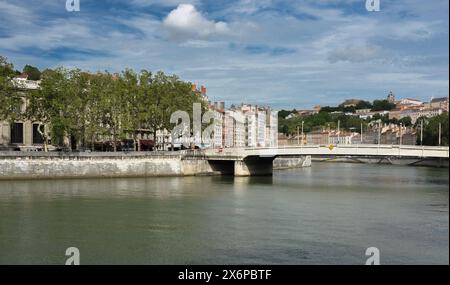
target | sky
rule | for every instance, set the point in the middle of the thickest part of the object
(285, 54)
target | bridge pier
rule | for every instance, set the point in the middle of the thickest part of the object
(254, 166)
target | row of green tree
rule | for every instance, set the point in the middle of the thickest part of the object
(90, 106)
(432, 128)
(325, 119)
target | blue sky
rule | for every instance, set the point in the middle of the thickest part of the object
(287, 54)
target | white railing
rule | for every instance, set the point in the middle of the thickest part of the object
(343, 150)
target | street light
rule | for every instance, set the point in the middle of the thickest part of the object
(361, 132)
(401, 135)
(328, 133)
(440, 133)
(339, 131)
(379, 134)
(421, 133)
(302, 131)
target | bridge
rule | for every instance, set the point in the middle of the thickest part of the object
(232, 161)
(259, 161)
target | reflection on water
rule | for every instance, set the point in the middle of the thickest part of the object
(326, 214)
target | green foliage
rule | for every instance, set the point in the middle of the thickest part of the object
(283, 114)
(363, 105)
(10, 99)
(382, 105)
(33, 72)
(405, 121)
(431, 130)
(289, 126)
(89, 107)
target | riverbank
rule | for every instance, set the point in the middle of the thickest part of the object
(35, 165)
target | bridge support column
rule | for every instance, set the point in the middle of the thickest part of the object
(257, 166)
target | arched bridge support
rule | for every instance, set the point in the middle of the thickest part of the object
(254, 166)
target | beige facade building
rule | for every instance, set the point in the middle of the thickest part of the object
(21, 134)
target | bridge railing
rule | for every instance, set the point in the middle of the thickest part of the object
(350, 150)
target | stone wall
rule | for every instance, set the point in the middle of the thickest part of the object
(38, 165)
(292, 162)
(64, 168)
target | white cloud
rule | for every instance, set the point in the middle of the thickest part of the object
(185, 22)
(354, 54)
(163, 2)
(13, 13)
(414, 30)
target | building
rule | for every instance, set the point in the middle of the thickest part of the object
(239, 129)
(369, 115)
(369, 137)
(218, 130)
(415, 113)
(317, 137)
(409, 138)
(438, 103)
(429, 113)
(251, 128)
(341, 137)
(228, 129)
(404, 103)
(391, 98)
(218, 136)
(362, 111)
(271, 128)
(351, 103)
(282, 139)
(261, 128)
(201, 91)
(304, 113)
(22, 134)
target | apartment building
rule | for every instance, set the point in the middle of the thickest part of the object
(261, 128)
(271, 128)
(251, 128)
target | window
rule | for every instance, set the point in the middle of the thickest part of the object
(37, 137)
(17, 133)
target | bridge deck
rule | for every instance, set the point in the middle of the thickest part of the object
(337, 150)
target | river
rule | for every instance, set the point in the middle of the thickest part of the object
(327, 214)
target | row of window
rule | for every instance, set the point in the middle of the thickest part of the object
(17, 134)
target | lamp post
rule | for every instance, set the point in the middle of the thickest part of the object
(440, 133)
(302, 131)
(379, 134)
(361, 132)
(421, 133)
(339, 131)
(298, 136)
(328, 133)
(401, 134)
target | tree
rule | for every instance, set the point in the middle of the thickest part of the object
(405, 121)
(11, 100)
(363, 105)
(33, 72)
(84, 107)
(431, 130)
(283, 114)
(47, 105)
(382, 105)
